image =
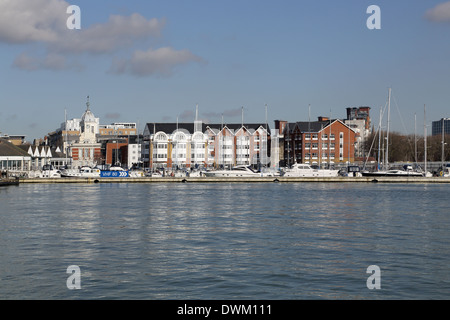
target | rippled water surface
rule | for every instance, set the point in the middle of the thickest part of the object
(225, 240)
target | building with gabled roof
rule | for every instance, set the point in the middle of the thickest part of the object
(197, 144)
(324, 142)
(44, 154)
(13, 158)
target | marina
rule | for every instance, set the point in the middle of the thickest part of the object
(381, 179)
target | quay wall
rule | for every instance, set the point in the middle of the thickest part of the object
(239, 179)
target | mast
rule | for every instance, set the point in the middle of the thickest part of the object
(329, 145)
(415, 140)
(222, 145)
(379, 138)
(443, 144)
(65, 128)
(176, 146)
(309, 132)
(265, 142)
(387, 134)
(425, 137)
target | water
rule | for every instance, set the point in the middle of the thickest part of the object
(225, 241)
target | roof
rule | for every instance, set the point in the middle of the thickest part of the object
(306, 126)
(189, 126)
(7, 149)
(42, 151)
(311, 126)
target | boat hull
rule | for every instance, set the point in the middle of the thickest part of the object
(9, 182)
(386, 174)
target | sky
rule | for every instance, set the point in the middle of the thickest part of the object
(154, 61)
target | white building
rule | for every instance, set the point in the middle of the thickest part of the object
(191, 145)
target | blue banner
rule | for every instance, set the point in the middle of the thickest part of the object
(114, 174)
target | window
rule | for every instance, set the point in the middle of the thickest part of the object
(161, 136)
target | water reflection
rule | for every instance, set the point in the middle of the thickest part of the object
(223, 241)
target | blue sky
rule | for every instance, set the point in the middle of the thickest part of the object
(153, 61)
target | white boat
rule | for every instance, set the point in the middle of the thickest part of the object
(83, 172)
(116, 168)
(136, 173)
(403, 173)
(48, 171)
(304, 170)
(238, 171)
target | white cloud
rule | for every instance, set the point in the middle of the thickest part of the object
(43, 22)
(24, 21)
(25, 62)
(50, 61)
(440, 13)
(160, 62)
(108, 37)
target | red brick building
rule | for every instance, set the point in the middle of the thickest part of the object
(116, 152)
(323, 142)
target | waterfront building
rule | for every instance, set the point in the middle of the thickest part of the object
(86, 151)
(88, 143)
(43, 154)
(13, 158)
(358, 118)
(116, 151)
(436, 127)
(118, 129)
(15, 139)
(134, 152)
(193, 145)
(324, 142)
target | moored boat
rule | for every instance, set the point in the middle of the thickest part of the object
(49, 171)
(304, 170)
(406, 172)
(83, 172)
(9, 182)
(238, 171)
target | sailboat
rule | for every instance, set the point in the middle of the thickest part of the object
(386, 172)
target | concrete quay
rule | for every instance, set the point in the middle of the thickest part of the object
(239, 179)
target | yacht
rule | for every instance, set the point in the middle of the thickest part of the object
(49, 171)
(238, 171)
(304, 170)
(83, 172)
(406, 172)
